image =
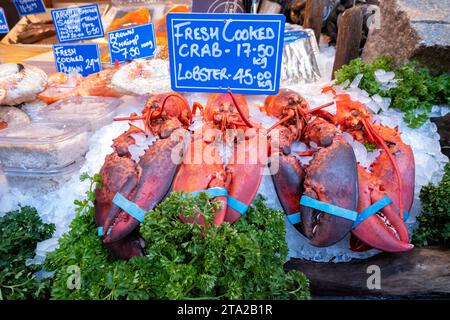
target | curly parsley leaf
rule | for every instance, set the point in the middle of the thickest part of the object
(20, 231)
(434, 222)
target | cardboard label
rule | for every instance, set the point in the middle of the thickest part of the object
(132, 43)
(78, 23)
(77, 58)
(220, 52)
(26, 7)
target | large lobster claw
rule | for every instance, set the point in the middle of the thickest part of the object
(145, 188)
(331, 177)
(202, 169)
(115, 172)
(288, 175)
(246, 167)
(381, 233)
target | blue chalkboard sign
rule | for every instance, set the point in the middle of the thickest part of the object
(78, 23)
(132, 43)
(26, 7)
(77, 58)
(3, 23)
(217, 52)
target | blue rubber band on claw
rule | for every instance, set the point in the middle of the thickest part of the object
(212, 192)
(222, 192)
(100, 231)
(374, 208)
(294, 218)
(237, 205)
(328, 208)
(371, 210)
(129, 207)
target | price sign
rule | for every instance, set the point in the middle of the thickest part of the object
(3, 23)
(77, 58)
(218, 52)
(132, 43)
(26, 7)
(78, 23)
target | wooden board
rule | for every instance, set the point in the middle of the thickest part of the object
(420, 273)
(18, 53)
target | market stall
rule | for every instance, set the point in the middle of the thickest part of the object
(137, 164)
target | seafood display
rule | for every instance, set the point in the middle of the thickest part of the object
(99, 84)
(59, 86)
(145, 182)
(325, 199)
(226, 124)
(331, 176)
(20, 83)
(390, 175)
(222, 159)
(141, 77)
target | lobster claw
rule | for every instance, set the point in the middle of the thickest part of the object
(331, 177)
(202, 169)
(385, 233)
(145, 189)
(246, 168)
(115, 172)
(288, 180)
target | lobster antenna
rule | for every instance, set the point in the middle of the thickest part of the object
(132, 118)
(394, 163)
(238, 107)
(286, 118)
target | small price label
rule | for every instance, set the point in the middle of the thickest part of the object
(220, 52)
(3, 23)
(78, 23)
(77, 58)
(26, 7)
(132, 43)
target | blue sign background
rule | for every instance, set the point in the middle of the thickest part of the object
(26, 7)
(132, 43)
(79, 58)
(217, 52)
(3, 23)
(78, 23)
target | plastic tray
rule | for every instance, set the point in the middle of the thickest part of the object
(41, 147)
(93, 112)
(38, 181)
